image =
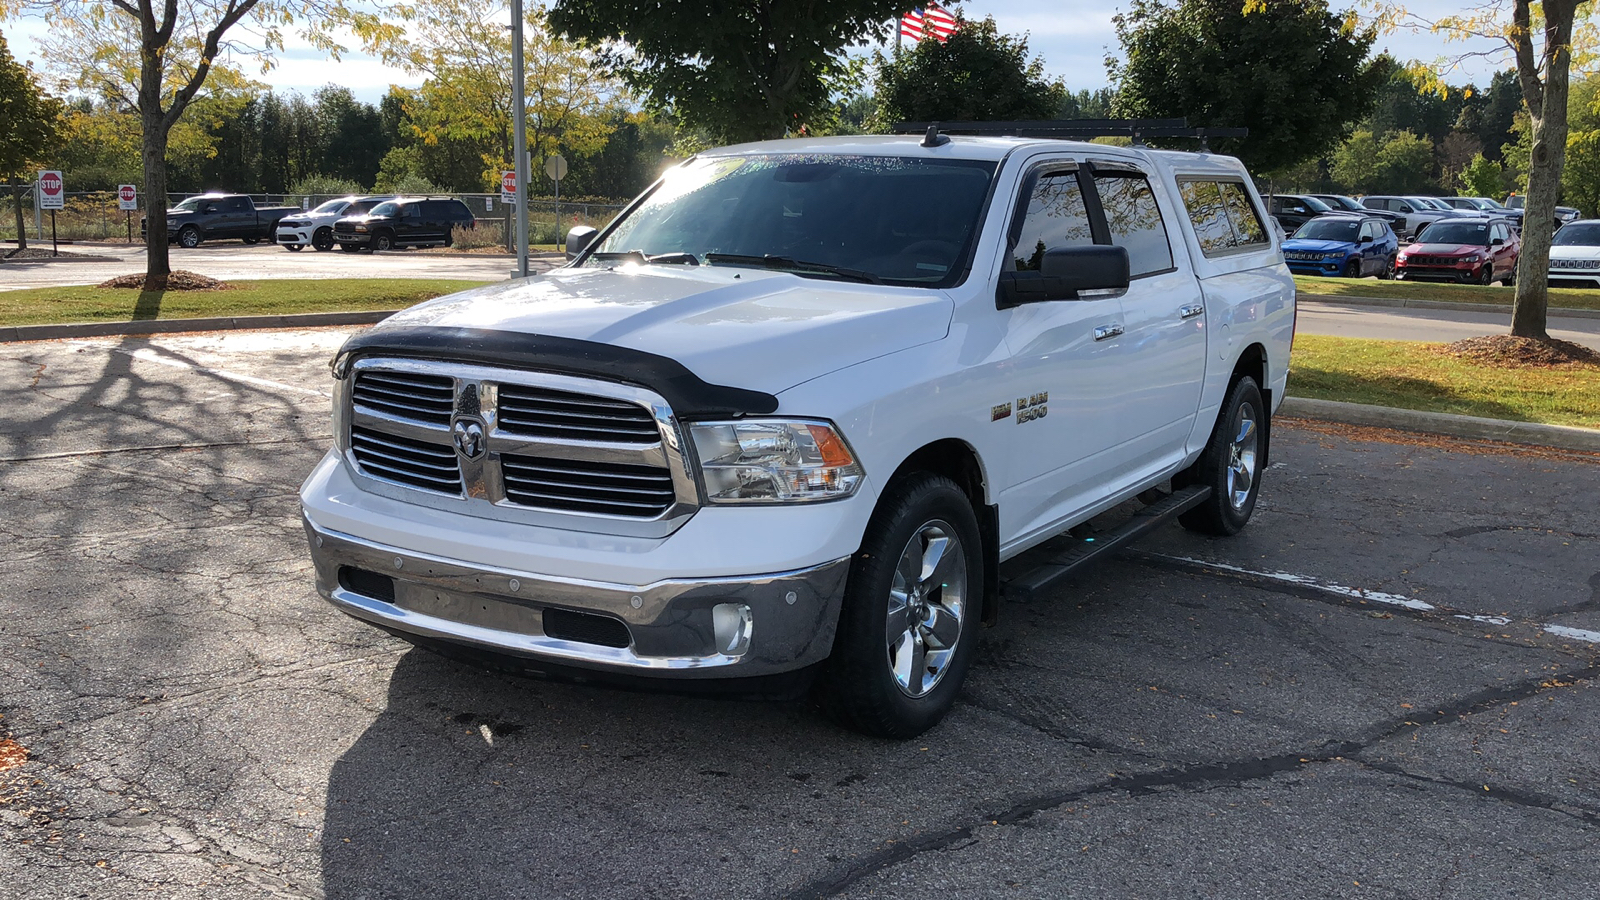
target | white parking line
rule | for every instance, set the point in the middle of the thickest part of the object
(148, 355)
(1577, 634)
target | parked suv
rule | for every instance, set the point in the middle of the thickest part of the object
(315, 228)
(785, 416)
(1575, 255)
(1478, 250)
(1487, 207)
(1564, 214)
(1341, 203)
(404, 222)
(1294, 210)
(1418, 214)
(1342, 244)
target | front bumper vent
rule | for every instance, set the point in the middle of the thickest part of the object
(603, 631)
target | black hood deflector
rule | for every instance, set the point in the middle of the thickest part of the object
(689, 396)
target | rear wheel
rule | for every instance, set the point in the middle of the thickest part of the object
(1230, 463)
(1511, 277)
(912, 603)
(1388, 269)
(322, 239)
(252, 240)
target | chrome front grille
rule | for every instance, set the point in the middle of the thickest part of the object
(529, 447)
(588, 487)
(546, 413)
(424, 465)
(421, 398)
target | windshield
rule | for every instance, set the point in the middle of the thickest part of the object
(1431, 203)
(1328, 230)
(1486, 203)
(361, 207)
(331, 207)
(896, 219)
(1341, 202)
(386, 209)
(193, 203)
(1514, 202)
(1578, 234)
(1445, 231)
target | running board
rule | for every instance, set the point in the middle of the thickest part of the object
(1025, 587)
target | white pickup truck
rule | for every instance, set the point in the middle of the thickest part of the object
(786, 415)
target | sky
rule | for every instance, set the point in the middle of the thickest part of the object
(1072, 38)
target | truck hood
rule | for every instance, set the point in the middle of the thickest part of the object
(766, 331)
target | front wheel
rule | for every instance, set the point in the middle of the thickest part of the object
(383, 240)
(909, 622)
(293, 248)
(322, 239)
(1486, 277)
(189, 237)
(252, 241)
(1352, 269)
(350, 248)
(1230, 464)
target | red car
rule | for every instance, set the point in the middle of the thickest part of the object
(1469, 250)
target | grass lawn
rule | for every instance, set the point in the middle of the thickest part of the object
(1571, 298)
(1409, 375)
(38, 306)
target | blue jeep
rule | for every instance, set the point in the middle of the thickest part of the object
(1347, 244)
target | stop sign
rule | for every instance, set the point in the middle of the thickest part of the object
(508, 186)
(51, 190)
(126, 193)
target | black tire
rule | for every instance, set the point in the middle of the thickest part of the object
(293, 248)
(1228, 509)
(383, 240)
(1388, 269)
(1352, 269)
(322, 239)
(252, 241)
(189, 237)
(860, 684)
(1511, 277)
(1486, 276)
(350, 248)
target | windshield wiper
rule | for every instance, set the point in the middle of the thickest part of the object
(787, 262)
(666, 259)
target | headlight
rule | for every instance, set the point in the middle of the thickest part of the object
(1339, 255)
(361, 228)
(773, 461)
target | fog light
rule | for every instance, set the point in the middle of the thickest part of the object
(731, 625)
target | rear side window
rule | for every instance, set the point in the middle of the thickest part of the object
(1134, 221)
(1224, 218)
(1056, 217)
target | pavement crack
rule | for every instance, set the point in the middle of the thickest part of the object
(1528, 799)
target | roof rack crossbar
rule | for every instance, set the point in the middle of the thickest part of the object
(1078, 129)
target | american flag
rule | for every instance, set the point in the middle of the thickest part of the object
(928, 21)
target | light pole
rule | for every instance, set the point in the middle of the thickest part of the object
(519, 137)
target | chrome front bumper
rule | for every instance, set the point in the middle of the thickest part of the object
(712, 628)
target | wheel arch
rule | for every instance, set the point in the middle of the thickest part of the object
(1253, 362)
(959, 461)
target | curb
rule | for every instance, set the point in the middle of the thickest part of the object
(57, 259)
(177, 326)
(1563, 437)
(1392, 302)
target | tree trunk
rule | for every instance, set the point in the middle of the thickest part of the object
(157, 264)
(22, 228)
(1530, 309)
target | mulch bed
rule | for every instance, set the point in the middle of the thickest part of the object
(1504, 351)
(41, 253)
(178, 280)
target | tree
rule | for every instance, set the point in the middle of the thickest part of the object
(157, 60)
(464, 49)
(1398, 163)
(1483, 177)
(1539, 38)
(741, 71)
(30, 127)
(978, 74)
(1290, 70)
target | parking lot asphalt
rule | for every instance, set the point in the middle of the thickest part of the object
(1385, 687)
(1343, 320)
(233, 260)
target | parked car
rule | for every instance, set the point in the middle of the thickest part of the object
(1564, 214)
(788, 412)
(219, 216)
(1294, 210)
(1486, 206)
(1477, 250)
(315, 228)
(1575, 255)
(1417, 213)
(404, 222)
(1341, 203)
(1346, 244)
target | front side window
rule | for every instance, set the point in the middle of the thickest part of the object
(901, 220)
(1367, 231)
(1134, 221)
(1056, 217)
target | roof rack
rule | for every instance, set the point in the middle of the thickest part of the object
(1072, 129)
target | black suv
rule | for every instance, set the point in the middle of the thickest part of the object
(1294, 210)
(406, 222)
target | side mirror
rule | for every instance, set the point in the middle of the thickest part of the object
(1496, 242)
(1364, 239)
(1063, 274)
(578, 240)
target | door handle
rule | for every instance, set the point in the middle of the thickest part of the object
(1102, 332)
(1190, 310)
